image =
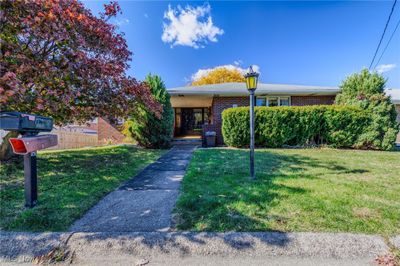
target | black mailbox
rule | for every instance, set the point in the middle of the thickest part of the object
(29, 126)
(24, 123)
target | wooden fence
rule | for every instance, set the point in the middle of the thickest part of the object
(73, 140)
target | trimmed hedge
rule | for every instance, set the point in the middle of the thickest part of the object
(337, 126)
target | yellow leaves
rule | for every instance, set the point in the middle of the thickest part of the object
(220, 75)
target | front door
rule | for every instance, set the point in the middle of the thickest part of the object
(192, 120)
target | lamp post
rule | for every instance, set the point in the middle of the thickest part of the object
(251, 83)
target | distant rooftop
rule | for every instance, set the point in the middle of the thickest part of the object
(394, 95)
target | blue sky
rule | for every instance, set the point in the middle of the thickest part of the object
(309, 43)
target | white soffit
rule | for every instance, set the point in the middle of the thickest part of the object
(239, 89)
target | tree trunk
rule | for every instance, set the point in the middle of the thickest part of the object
(6, 152)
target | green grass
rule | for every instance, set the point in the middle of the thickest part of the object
(296, 190)
(69, 183)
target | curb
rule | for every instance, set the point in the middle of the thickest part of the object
(395, 241)
(17, 246)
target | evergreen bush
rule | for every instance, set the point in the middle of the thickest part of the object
(366, 90)
(145, 127)
(337, 126)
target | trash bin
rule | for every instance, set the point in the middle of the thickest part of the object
(210, 138)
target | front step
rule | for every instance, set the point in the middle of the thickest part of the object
(187, 141)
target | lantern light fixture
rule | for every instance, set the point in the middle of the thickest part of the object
(251, 79)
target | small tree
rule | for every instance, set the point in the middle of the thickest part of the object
(60, 60)
(220, 75)
(145, 127)
(366, 90)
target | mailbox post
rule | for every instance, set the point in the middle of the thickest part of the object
(30, 171)
(29, 126)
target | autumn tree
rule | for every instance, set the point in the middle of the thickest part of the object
(219, 75)
(60, 60)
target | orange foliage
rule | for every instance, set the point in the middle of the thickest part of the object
(220, 75)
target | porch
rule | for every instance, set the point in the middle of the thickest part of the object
(189, 122)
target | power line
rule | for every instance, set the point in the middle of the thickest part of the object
(390, 39)
(383, 34)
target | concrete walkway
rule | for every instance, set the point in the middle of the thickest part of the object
(189, 248)
(145, 202)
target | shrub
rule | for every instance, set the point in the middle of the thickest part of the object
(338, 126)
(145, 127)
(366, 90)
(343, 125)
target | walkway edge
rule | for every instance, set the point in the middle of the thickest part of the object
(25, 246)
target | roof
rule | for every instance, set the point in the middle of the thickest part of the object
(239, 89)
(394, 95)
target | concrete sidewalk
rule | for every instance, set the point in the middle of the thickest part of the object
(189, 248)
(143, 203)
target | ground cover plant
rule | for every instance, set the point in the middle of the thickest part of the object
(69, 183)
(295, 190)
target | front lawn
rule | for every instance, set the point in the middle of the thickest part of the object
(69, 183)
(295, 190)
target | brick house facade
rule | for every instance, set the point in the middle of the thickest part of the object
(201, 107)
(192, 102)
(312, 100)
(219, 104)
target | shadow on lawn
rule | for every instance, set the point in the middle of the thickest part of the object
(216, 183)
(219, 196)
(69, 183)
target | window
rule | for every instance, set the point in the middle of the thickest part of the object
(273, 101)
(260, 101)
(284, 101)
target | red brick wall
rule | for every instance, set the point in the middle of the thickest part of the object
(221, 103)
(106, 132)
(312, 100)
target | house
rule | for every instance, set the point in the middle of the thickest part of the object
(106, 131)
(198, 109)
(395, 97)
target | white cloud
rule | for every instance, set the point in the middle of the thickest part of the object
(204, 72)
(385, 68)
(121, 22)
(237, 62)
(189, 26)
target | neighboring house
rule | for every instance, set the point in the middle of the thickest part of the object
(109, 132)
(93, 133)
(106, 131)
(395, 97)
(198, 109)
